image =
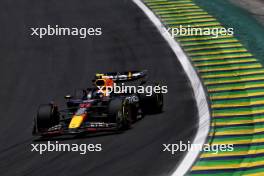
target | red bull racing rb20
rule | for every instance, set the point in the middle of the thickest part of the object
(99, 108)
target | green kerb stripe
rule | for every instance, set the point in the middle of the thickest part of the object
(234, 80)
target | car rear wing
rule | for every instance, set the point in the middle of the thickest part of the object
(122, 76)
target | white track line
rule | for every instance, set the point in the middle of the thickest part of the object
(199, 93)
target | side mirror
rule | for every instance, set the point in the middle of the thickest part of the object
(67, 97)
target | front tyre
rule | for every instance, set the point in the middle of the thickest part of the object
(47, 117)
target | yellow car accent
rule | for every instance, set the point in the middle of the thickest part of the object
(76, 121)
(129, 75)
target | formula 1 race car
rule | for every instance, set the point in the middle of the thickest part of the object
(100, 108)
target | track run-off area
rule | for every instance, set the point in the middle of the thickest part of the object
(234, 80)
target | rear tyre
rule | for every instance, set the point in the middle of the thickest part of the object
(121, 113)
(153, 103)
(47, 117)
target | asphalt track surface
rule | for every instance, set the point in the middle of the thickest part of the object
(35, 71)
(254, 7)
